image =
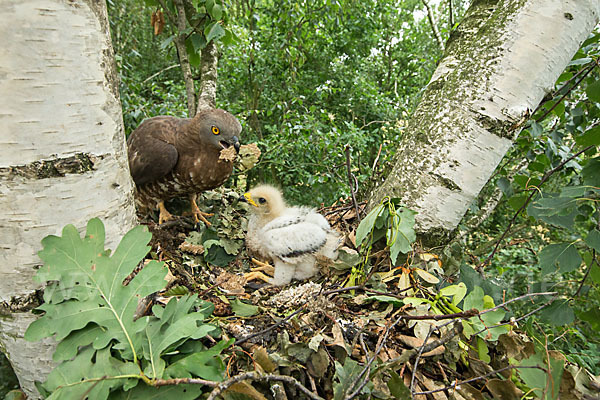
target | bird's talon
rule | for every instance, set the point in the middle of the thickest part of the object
(262, 266)
(256, 275)
(163, 214)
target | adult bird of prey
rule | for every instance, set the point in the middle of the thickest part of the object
(293, 237)
(172, 157)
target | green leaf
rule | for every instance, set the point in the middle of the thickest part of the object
(67, 348)
(457, 292)
(559, 257)
(141, 391)
(214, 31)
(344, 376)
(216, 12)
(243, 309)
(83, 377)
(193, 55)
(536, 129)
(402, 233)
(591, 172)
(397, 387)
(366, 225)
(516, 202)
(173, 324)
(593, 91)
(505, 185)
(166, 42)
(198, 41)
(483, 351)
(477, 299)
(77, 263)
(472, 279)
(558, 313)
(385, 299)
(590, 137)
(593, 240)
(201, 364)
(537, 379)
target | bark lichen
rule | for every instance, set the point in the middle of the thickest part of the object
(77, 164)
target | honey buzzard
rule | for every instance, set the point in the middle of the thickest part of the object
(172, 157)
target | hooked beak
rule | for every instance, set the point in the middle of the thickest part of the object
(247, 198)
(236, 144)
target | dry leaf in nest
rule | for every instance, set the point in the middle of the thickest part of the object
(414, 343)
(249, 156)
(231, 284)
(191, 248)
(229, 154)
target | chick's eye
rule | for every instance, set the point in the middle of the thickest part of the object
(262, 200)
(215, 130)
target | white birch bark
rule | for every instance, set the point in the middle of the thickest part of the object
(499, 63)
(62, 151)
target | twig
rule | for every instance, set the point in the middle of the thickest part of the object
(181, 381)
(245, 339)
(590, 69)
(160, 72)
(514, 321)
(477, 378)
(253, 376)
(517, 299)
(594, 261)
(526, 203)
(376, 159)
(352, 182)
(414, 370)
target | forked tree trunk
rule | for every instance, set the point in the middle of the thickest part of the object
(62, 152)
(498, 65)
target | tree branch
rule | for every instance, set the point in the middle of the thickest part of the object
(434, 28)
(184, 61)
(546, 176)
(253, 376)
(207, 98)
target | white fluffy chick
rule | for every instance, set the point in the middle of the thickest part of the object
(292, 237)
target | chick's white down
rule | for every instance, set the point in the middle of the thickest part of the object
(292, 237)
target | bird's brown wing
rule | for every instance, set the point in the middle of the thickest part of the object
(151, 156)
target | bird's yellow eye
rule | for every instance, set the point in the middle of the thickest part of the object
(215, 130)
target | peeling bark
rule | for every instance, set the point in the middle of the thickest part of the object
(62, 152)
(499, 63)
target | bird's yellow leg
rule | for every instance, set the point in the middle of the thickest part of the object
(263, 266)
(199, 215)
(163, 214)
(257, 274)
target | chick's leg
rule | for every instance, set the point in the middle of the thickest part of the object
(163, 214)
(283, 273)
(198, 215)
(257, 272)
(306, 269)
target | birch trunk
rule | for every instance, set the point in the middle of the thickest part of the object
(499, 63)
(62, 152)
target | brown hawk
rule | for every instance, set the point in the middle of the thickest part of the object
(172, 157)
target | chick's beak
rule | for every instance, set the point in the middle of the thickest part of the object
(236, 144)
(248, 199)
